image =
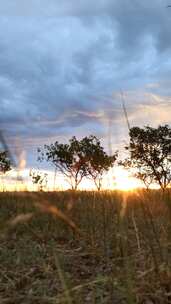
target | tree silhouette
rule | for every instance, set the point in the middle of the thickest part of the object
(4, 162)
(78, 159)
(150, 155)
(39, 179)
(97, 160)
(68, 159)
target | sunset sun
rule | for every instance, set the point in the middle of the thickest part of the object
(123, 180)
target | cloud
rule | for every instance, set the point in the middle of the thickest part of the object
(62, 67)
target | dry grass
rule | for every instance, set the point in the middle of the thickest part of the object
(108, 247)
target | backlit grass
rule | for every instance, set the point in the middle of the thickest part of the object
(119, 250)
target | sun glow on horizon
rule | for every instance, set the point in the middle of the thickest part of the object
(124, 181)
(116, 179)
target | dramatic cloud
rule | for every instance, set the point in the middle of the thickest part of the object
(62, 67)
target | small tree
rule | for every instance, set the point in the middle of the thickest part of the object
(150, 155)
(39, 179)
(69, 159)
(97, 160)
(4, 163)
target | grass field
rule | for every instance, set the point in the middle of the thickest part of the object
(110, 247)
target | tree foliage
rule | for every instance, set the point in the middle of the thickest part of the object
(98, 162)
(150, 155)
(77, 159)
(39, 179)
(4, 162)
(68, 160)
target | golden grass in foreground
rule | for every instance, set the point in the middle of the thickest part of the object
(120, 251)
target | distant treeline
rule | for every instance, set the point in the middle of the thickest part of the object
(149, 158)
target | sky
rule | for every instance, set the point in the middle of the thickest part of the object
(63, 65)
